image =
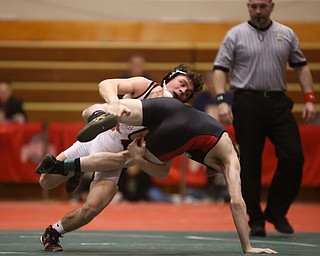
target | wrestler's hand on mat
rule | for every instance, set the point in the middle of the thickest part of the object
(117, 109)
(261, 251)
(137, 148)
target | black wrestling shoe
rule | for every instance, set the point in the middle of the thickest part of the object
(50, 240)
(50, 165)
(258, 230)
(98, 125)
(73, 183)
(281, 224)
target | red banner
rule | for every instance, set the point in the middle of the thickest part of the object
(23, 145)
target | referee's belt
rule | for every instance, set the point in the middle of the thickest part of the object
(266, 94)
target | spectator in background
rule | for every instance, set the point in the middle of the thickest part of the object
(206, 101)
(136, 67)
(11, 109)
(136, 185)
(255, 55)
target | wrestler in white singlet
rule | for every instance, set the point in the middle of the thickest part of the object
(110, 141)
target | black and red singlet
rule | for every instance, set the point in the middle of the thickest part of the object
(176, 128)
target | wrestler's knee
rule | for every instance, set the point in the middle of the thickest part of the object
(88, 111)
(100, 195)
(89, 212)
(85, 114)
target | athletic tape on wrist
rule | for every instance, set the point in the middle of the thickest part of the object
(309, 97)
(221, 98)
(69, 165)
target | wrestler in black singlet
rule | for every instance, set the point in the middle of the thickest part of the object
(176, 128)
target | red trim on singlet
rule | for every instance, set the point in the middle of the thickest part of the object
(202, 142)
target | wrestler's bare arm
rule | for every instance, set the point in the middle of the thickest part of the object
(231, 170)
(110, 89)
(224, 151)
(107, 161)
(147, 161)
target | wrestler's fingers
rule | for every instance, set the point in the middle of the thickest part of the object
(126, 111)
(261, 250)
(269, 251)
(141, 142)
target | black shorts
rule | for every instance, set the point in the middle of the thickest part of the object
(176, 128)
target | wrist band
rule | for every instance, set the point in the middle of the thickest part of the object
(309, 97)
(221, 98)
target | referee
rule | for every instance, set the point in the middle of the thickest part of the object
(254, 55)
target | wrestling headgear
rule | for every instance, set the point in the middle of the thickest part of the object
(186, 71)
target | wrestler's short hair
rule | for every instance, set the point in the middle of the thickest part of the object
(185, 70)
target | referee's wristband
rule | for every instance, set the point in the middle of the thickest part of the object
(221, 98)
(309, 97)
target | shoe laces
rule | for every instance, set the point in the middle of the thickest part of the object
(50, 163)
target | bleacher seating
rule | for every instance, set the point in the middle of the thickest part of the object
(55, 67)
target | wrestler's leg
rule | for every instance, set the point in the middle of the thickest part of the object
(51, 181)
(100, 162)
(105, 161)
(54, 167)
(100, 195)
(92, 109)
(136, 115)
(99, 121)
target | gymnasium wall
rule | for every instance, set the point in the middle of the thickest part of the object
(56, 52)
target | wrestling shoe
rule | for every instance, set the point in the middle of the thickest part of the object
(257, 228)
(50, 165)
(73, 183)
(98, 125)
(50, 240)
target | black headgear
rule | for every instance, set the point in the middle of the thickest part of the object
(172, 75)
(180, 70)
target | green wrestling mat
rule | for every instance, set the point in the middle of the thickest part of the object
(140, 243)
